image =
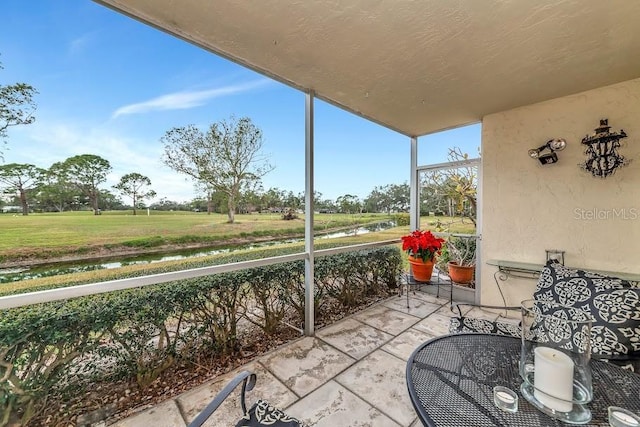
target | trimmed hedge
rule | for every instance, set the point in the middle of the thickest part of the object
(50, 354)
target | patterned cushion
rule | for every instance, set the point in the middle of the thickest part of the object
(614, 304)
(563, 326)
(263, 414)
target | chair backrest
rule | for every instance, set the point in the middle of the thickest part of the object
(613, 303)
(260, 414)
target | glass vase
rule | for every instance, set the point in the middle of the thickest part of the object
(554, 363)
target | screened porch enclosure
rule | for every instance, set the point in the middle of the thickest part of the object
(529, 72)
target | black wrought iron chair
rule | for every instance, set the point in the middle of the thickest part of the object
(613, 303)
(260, 414)
(463, 323)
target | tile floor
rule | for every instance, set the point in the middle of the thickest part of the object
(352, 373)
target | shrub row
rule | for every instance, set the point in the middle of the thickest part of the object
(50, 354)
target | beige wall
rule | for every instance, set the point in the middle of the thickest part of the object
(527, 207)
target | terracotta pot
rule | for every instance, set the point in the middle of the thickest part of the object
(421, 270)
(462, 274)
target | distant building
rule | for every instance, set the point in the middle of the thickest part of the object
(11, 209)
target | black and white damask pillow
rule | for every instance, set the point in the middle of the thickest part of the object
(614, 304)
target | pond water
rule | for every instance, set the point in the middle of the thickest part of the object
(45, 270)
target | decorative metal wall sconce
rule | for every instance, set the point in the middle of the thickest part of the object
(553, 145)
(556, 255)
(603, 158)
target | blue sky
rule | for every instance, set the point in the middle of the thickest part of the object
(111, 86)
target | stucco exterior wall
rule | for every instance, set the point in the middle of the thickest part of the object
(527, 207)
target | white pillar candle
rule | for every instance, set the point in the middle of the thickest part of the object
(553, 379)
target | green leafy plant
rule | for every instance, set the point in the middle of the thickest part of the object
(462, 250)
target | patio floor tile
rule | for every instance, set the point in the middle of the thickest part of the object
(446, 311)
(380, 380)
(166, 414)
(417, 306)
(351, 374)
(435, 325)
(387, 319)
(431, 297)
(333, 405)
(404, 344)
(267, 387)
(354, 338)
(306, 364)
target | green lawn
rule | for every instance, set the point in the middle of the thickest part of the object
(68, 233)
(34, 233)
(72, 231)
(446, 224)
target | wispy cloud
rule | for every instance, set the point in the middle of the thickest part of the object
(54, 142)
(80, 44)
(187, 99)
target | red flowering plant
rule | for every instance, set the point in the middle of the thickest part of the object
(422, 244)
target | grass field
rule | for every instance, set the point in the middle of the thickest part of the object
(79, 229)
(71, 232)
(59, 234)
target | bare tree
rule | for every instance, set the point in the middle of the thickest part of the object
(224, 158)
(456, 187)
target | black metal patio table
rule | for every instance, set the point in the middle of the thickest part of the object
(451, 379)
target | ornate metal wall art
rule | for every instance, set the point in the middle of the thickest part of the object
(603, 158)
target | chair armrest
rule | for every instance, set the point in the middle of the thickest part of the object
(248, 380)
(457, 305)
(467, 323)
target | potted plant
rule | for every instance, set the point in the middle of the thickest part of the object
(422, 247)
(462, 259)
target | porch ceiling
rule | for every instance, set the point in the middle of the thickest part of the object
(415, 66)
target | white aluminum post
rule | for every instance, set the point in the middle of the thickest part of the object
(478, 274)
(309, 304)
(414, 210)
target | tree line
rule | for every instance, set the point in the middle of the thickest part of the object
(77, 183)
(72, 184)
(225, 163)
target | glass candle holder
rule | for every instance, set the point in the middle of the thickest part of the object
(620, 417)
(554, 362)
(505, 398)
